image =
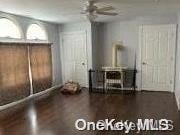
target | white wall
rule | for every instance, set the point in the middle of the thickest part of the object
(127, 32)
(101, 37)
(110, 33)
(95, 48)
(53, 36)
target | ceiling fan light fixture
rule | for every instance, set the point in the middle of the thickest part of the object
(91, 17)
(91, 10)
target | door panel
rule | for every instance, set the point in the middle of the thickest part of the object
(75, 57)
(158, 56)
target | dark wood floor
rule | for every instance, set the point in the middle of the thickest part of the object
(55, 114)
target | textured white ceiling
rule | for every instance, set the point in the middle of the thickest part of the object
(61, 11)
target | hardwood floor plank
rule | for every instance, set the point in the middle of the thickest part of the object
(55, 114)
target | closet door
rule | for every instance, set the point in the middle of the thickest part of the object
(41, 66)
(14, 72)
(158, 57)
(74, 57)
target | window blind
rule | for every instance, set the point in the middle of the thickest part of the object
(41, 67)
(14, 73)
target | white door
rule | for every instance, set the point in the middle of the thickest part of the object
(158, 57)
(74, 57)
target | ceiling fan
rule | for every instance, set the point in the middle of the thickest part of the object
(91, 10)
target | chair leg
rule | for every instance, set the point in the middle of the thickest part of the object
(122, 86)
(106, 84)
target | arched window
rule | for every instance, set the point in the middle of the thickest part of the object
(8, 29)
(35, 32)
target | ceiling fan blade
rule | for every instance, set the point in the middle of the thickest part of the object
(107, 8)
(106, 13)
(93, 1)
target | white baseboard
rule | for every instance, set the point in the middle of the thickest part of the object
(28, 98)
(177, 101)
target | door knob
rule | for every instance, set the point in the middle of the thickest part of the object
(83, 63)
(144, 63)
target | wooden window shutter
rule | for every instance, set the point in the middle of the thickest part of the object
(14, 72)
(41, 66)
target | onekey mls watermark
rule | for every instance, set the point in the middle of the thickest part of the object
(125, 126)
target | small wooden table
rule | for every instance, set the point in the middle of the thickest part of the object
(114, 81)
